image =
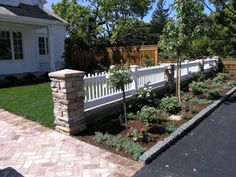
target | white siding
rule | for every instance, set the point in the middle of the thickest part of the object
(59, 34)
(58, 41)
(30, 61)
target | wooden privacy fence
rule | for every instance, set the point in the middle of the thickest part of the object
(131, 55)
(229, 64)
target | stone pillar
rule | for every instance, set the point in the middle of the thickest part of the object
(170, 76)
(68, 98)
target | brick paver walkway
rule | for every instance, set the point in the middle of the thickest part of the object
(34, 150)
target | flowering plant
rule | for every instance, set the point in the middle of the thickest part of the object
(146, 95)
(138, 134)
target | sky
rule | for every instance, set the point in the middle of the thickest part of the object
(147, 18)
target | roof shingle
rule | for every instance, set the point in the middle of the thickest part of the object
(27, 11)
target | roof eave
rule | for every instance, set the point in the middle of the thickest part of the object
(29, 20)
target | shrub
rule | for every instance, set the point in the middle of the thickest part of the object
(120, 143)
(138, 134)
(197, 87)
(11, 78)
(212, 94)
(29, 77)
(221, 77)
(229, 84)
(168, 127)
(200, 77)
(146, 95)
(170, 104)
(131, 116)
(148, 114)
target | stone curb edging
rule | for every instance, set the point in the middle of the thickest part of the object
(161, 146)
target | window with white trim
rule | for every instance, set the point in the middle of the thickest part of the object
(18, 49)
(5, 45)
(11, 45)
(43, 45)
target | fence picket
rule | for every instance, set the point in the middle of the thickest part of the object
(98, 91)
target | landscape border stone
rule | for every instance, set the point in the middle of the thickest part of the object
(161, 146)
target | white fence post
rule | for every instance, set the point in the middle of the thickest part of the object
(187, 61)
(134, 69)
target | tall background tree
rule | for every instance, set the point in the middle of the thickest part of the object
(101, 22)
(220, 34)
(159, 17)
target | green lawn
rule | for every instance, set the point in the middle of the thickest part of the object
(32, 101)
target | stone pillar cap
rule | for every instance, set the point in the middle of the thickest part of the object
(65, 73)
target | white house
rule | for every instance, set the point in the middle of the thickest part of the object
(31, 38)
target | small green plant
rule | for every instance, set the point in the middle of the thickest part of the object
(197, 87)
(169, 127)
(170, 104)
(120, 144)
(118, 78)
(148, 62)
(138, 134)
(185, 117)
(148, 114)
(199, 101)
(212, 94)
(194, 111)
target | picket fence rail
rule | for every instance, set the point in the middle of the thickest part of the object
(98, 91)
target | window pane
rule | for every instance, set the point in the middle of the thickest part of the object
(18, 49)
(41, 45)
(47, 45)
(5, 45)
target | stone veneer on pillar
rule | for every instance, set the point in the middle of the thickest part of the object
(68, 95)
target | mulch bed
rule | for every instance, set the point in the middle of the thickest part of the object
(114, 127)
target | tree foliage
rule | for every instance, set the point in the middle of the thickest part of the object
(181, 30)
(159, 17)
(101, 22)
(81, 26)
(184, 27)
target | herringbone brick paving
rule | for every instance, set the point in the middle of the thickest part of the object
(36, 151)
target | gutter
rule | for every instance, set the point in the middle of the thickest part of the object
(32, 21)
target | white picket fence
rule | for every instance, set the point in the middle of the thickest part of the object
(99, 93)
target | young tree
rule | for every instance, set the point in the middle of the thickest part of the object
(181, 30)
(119, 77)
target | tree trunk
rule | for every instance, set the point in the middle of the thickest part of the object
(124, 103)
(178, 77)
